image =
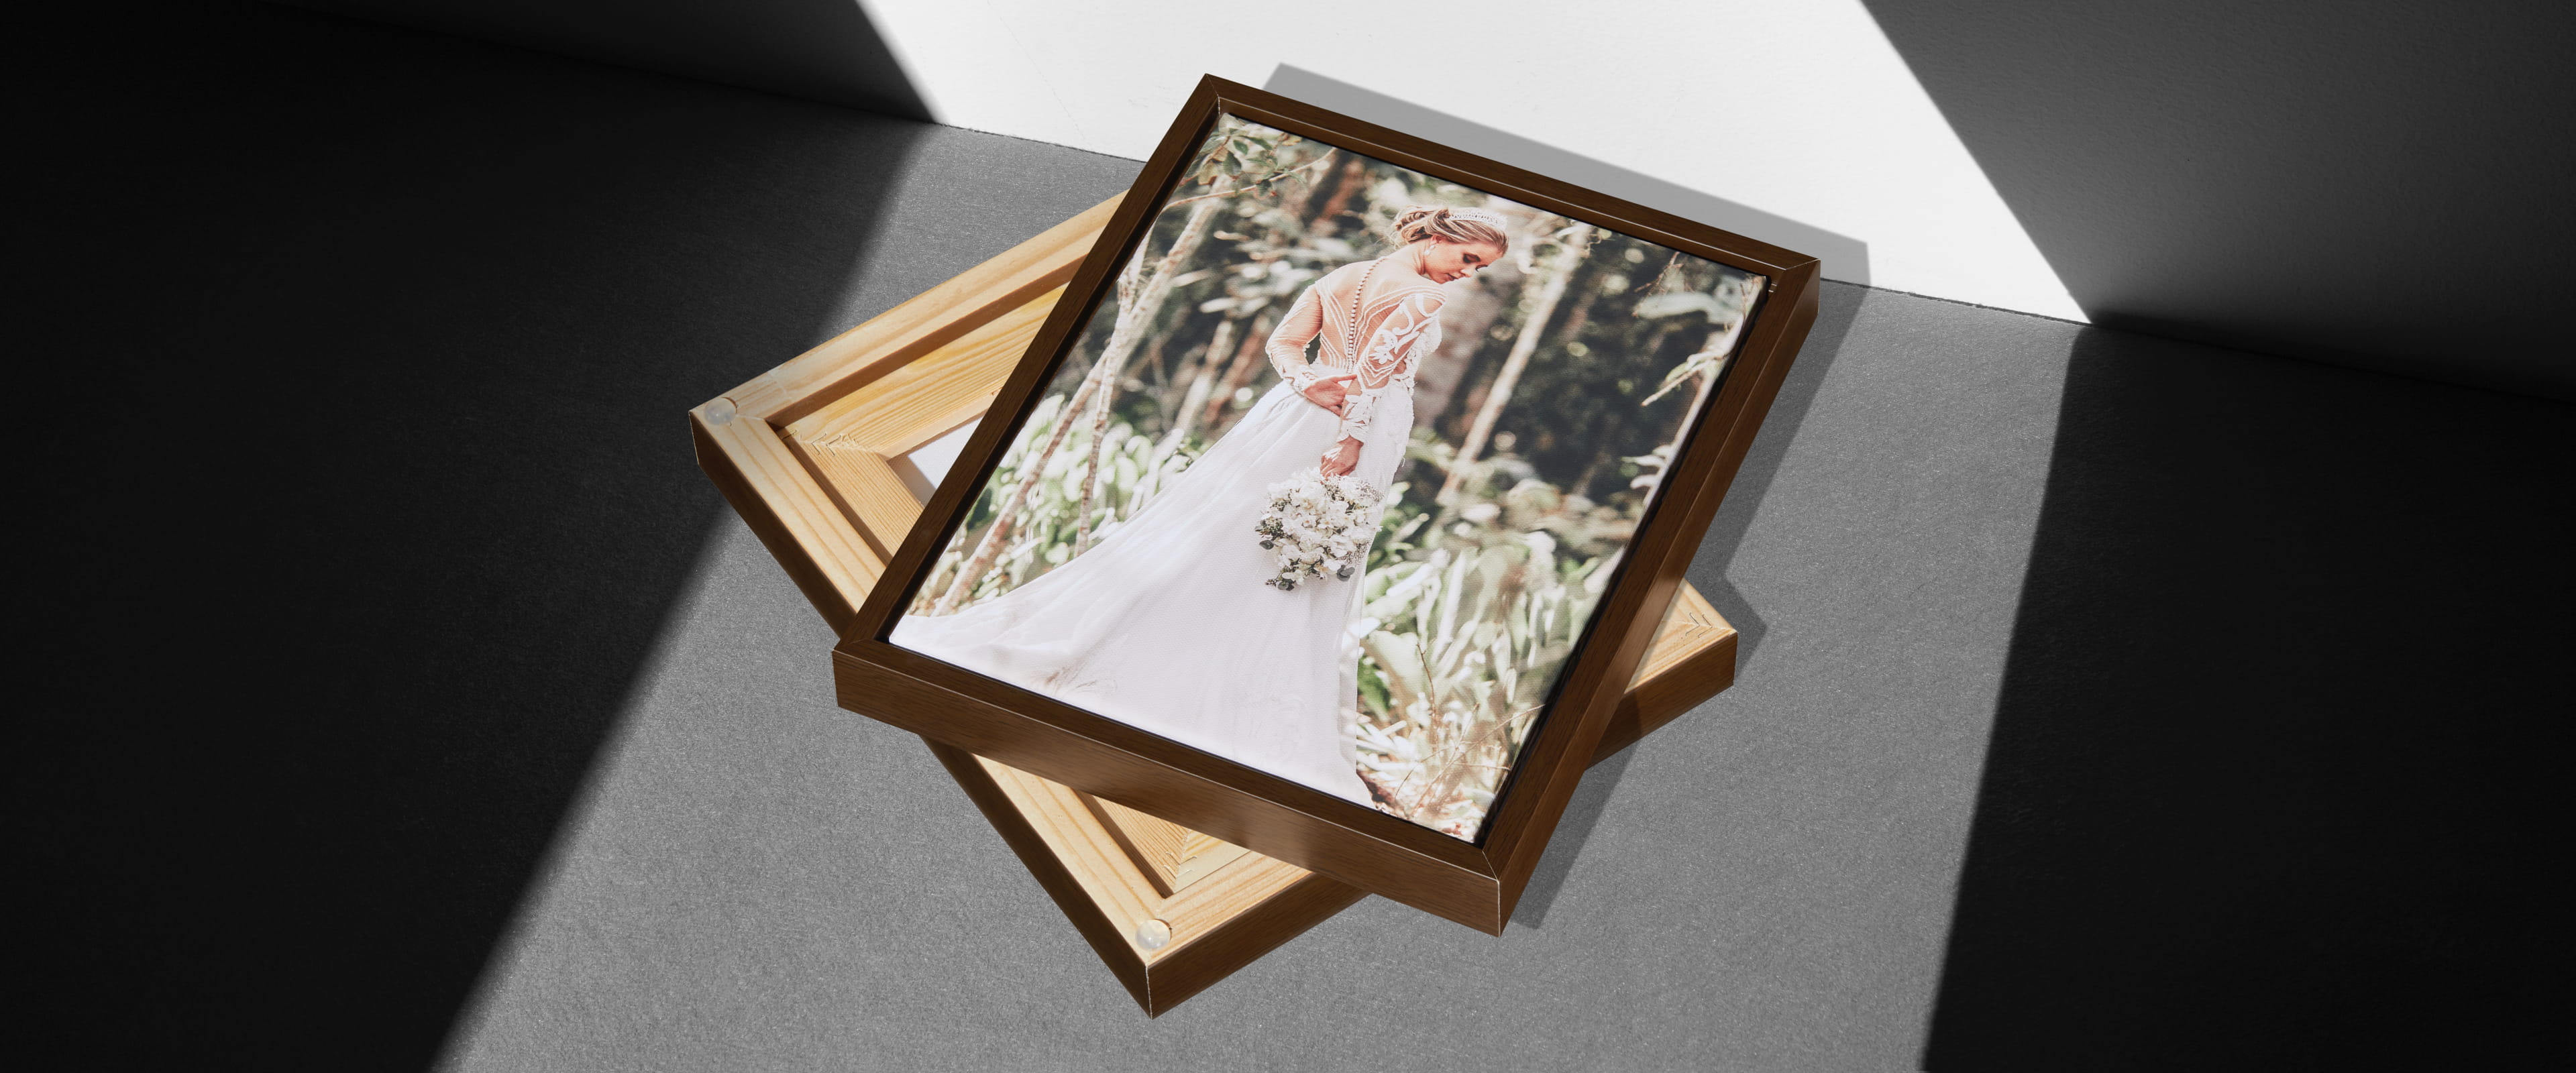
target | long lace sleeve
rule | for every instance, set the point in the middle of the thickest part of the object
(1287, 346)
(1409, 331)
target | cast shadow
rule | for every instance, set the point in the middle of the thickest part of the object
(1582, 814)
(378, 487)
(1839, 304)
(1844, 258)
(2372, 184)
(2278, 730)
(821, 50)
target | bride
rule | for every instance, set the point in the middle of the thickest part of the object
(1165, 624)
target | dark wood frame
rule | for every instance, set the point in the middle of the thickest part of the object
(821, 490)
(1476, 884)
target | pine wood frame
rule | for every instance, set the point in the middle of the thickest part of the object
(1476, 884)
(823, 489)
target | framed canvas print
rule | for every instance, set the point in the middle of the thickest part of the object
(1333, 507)
(828, 458)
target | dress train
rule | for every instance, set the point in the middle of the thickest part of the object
(1165, 624)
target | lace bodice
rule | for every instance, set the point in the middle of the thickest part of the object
(1389, 329)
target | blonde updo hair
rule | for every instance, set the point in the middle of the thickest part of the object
(1450, 225)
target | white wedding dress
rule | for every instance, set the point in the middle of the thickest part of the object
(1165, 624)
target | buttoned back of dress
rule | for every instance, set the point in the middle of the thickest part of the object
(1356, 302)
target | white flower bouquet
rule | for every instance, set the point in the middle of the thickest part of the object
(1318, 525)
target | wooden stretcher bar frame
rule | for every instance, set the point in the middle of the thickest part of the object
(809, 455)
(1474, 883)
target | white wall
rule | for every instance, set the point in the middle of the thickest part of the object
(1778, 119)
(2371, 182)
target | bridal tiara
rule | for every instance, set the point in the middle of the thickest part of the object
(1482, 216)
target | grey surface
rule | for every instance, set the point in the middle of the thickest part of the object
(1844, 258)
(2376, 184)
(756, 880)
(2380, 184)
(822, 50)
(401, 687)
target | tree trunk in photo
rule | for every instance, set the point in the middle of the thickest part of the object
(1136, 299)
(1152, 363)
(1199, 376)
(1550, 280)
(1581, 315)
(1186, 418)
(1248, 357)
(997, 535)
(1198, 362)
(1341, 199)
(1469, 313)
(1138, 302)
(1719, 342)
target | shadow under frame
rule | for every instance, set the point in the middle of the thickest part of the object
(808, 455)
(1476, 883)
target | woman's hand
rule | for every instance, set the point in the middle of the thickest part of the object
(1332, 392)
(1343, 458)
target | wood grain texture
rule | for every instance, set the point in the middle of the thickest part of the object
(820, 511)
(795, 517)
(824, 497)
(1171, 856)
(1115, 900)
(1094, 856)
(943, 313)
(926, 397)
(1244, 911)
(1251, 808)
(871, 497)
(850, 442)
(1691, 659)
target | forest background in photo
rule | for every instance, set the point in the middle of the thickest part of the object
(1542, 424)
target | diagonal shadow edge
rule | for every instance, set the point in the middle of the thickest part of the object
(1845, 259)
(829, 51)
(426, 314)
(2264, 773)
(1837, 306)
(2250, 177)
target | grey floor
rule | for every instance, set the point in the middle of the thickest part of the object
(2105, 701)
(754, 879)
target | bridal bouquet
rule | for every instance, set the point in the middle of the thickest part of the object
(1317, 525)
